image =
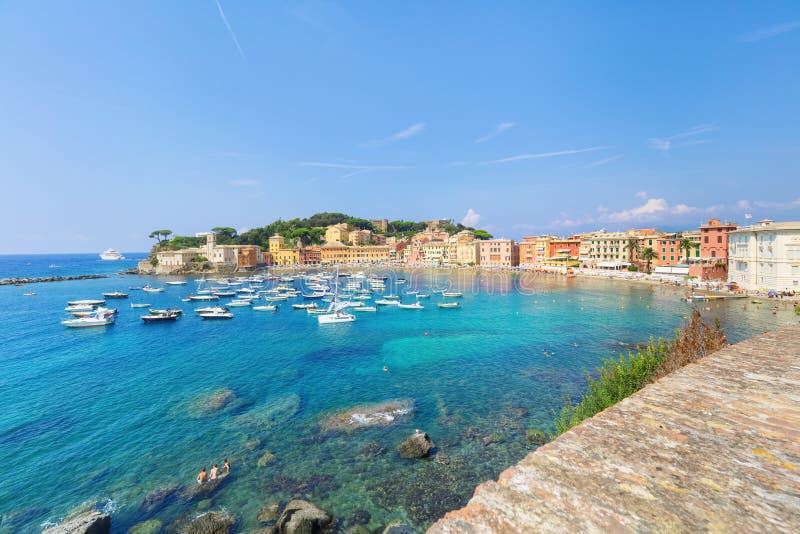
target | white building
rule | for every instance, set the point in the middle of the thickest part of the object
(765, 256)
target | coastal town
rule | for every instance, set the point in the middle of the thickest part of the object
(762, 256)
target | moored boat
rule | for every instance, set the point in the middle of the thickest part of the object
(216, 315)
(365, 309)
(101, 318)
(148, 288)
(111, 255)
(449, 305)
(415, 306)
(452, 294)
(266, 307)
(169, 316)
(89, 302)
(115, 295)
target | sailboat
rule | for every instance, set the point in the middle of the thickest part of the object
(335, 313)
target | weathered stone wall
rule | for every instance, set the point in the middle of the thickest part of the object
(714, 446)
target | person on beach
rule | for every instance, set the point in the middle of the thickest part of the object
(201, 478)
(214, 472)
(226, 466)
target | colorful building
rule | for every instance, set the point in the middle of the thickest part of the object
(713, 262)
(498, 253)
(765, 256)
(338, 233)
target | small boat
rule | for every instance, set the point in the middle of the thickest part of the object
(415, 306)
(29, 294)
(423, 296)
(452, 294)
(79, 308)
(415, 292)
(266, 307)
(96, 319)
(224, 293)
(384, 302)
(115, 295)
(304, 306)
(449, 304)
(150, 289)
(351, 304)
(239, 303)
(176, 311)
(315, 295)
(336, 317)
(98, 311)
(176, 283)
(365, 309)
(278, 298)
(86, 302)
(392, 297)
(211, 309)
(401, 281)
(202, 298)
(140, 305)
(111, 255)
(216, 315)
(171, 316)
(134, 288)
(362, 297)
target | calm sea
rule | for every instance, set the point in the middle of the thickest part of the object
(104, 416)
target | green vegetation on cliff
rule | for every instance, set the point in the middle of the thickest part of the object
(620, 378)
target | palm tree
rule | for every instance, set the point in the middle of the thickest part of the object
(648, 255)
(686, 244)
(633, 248)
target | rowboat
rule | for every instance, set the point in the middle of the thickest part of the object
(266, 307)
(415, 306)
(449, 305)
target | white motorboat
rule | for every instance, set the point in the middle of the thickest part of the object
(140, 305)
(211, 309)
(176, 283)
(103, 318)
(148, 288)
(423, 296)
(277, 298)
(86, 302)
(266, 307)
(351, 304)
(111, 255)
(309, 306)
(452, 294)
(449, 305)
(392, 297)
(239, 303)
(168, 316)
(400, 281)
(216, 315)
(202, 298)
(414, 292)
(115, 295)
(384, 302)
(79, 308)
(362, 297)
(365, 309)
(415, 306)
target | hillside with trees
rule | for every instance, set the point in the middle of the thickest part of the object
(305, 232)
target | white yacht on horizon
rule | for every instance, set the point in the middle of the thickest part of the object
(111, 255)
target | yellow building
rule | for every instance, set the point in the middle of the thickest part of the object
(338, 232)
(276, 243)
(286, 256)
(338, 252)
(467, 253)
(380, 225)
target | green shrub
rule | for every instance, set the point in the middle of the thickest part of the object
(620, 378)
(633, 268)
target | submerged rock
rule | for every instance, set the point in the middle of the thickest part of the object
(418, 445)
(153, 526)
(252, 444)
(211, 403)
(372, 449)
(89, 522)
(14, 521)
(202, 491)
(302, 517)
(368, 415)
(158, 498)
(266, 459)
(398, 528)
(492, 439)
(269, 512)
(269, 414)
(359, 517)
(535, 436)
(216, 522)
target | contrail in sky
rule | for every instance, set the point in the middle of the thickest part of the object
(230, 30)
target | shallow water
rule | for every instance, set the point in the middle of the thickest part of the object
(106, 416)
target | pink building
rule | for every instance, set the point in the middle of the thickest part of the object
(714, 240)
(499, 253)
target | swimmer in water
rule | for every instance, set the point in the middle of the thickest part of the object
(201, 478)
(385, 369)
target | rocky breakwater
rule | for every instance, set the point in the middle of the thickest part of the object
(23, 281)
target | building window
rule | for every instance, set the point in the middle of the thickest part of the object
(705, 239)
(713, 253)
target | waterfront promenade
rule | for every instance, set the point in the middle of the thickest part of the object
(713, 447)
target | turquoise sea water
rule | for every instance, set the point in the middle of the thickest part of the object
(104, 416)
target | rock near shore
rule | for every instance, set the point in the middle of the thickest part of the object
(216, 522)
(302, 517)
(418, 445)
(23, 281)
(368, 415)
(90, 522)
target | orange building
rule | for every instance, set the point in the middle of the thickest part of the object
(561, 249)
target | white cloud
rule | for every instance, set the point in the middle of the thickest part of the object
(604, 161)
(471, 219)
(500, 128)
(770, 31)
(652, 209)
(641, 194)
(406, 133)
(744, 205)
(353, 169)
(230, 30)
(243, 183)
(547, 154)
(664, 144)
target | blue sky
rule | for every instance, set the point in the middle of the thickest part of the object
(519, 117)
